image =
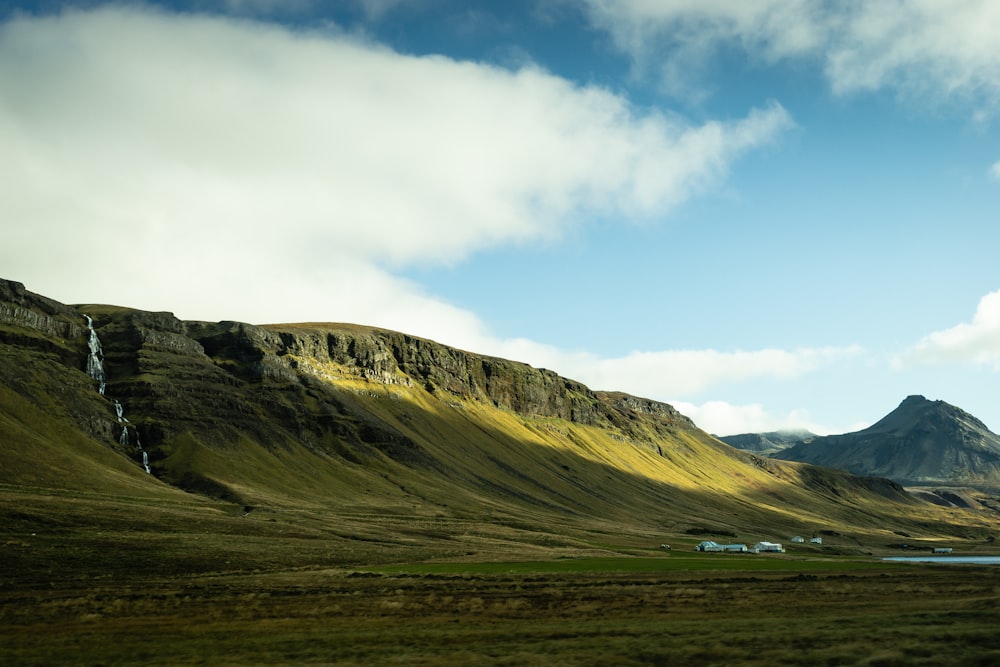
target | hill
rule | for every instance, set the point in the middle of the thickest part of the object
(921, 442)
(318, 443)
(766, 443)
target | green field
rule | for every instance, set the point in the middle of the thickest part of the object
(590, 612)
(341, 495)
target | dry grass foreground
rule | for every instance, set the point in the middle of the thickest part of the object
(833, 613)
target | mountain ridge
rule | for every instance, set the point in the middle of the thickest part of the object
(380, 429)
(920, 442)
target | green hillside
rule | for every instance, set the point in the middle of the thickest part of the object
(319, 443)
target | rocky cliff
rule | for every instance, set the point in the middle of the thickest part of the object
(324, 419)
(227, 381)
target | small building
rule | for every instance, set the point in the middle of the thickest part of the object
(942, 550)
(798, 539)
(709, 545)
(816, 540)
(768, 548)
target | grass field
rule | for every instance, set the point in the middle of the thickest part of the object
(177, 580)
(617, 611)
(324, 517)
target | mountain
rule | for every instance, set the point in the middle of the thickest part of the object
(766, 443)
(920, 442)
(335, 443)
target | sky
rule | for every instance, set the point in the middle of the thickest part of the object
(772, 215)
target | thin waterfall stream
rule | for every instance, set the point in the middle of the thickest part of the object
(95, 360)
(95, 369)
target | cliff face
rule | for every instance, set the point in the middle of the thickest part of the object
(284, 352)
(39, 322)
(225, 382)
(324, 419)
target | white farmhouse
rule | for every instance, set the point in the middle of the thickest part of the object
(768, 547)
(709, 545)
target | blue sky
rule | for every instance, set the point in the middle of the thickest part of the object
(779, 214)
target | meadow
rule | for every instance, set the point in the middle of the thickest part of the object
(606, 611)
(330, 519)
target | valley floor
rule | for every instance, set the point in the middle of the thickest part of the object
(876, 615)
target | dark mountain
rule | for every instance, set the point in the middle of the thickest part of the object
(766, 443)
(920, 442)
(224, 445)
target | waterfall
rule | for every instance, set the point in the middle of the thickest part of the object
(123, 440)
(145, 456)
(95, 360)
(95, 369)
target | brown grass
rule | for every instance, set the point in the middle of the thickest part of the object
(890, 616)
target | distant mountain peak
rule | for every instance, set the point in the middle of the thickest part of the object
(921, 441)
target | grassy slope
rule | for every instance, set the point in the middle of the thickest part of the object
(349, 470)
(313, 485)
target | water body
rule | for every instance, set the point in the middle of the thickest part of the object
(979, 560)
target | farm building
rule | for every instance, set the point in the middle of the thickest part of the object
(816, 540)
(768, 547)
(798, 539)
(709, 545)
(942, 550)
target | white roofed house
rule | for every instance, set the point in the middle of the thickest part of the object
(798, 539)
(768, 547)
(816, 540)
(709, 545)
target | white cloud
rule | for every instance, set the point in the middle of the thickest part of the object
(674, 374)
(995, 170)
(924, 49)
(722, 418)
(977, 341)
(683, 373)
(231, 170)
(147, 154)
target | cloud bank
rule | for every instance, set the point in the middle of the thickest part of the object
(922, 49)
(228, 169)
(240, 149)
(976, 342)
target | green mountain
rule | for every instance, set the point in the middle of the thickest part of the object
(313, 443)
(921, 442)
